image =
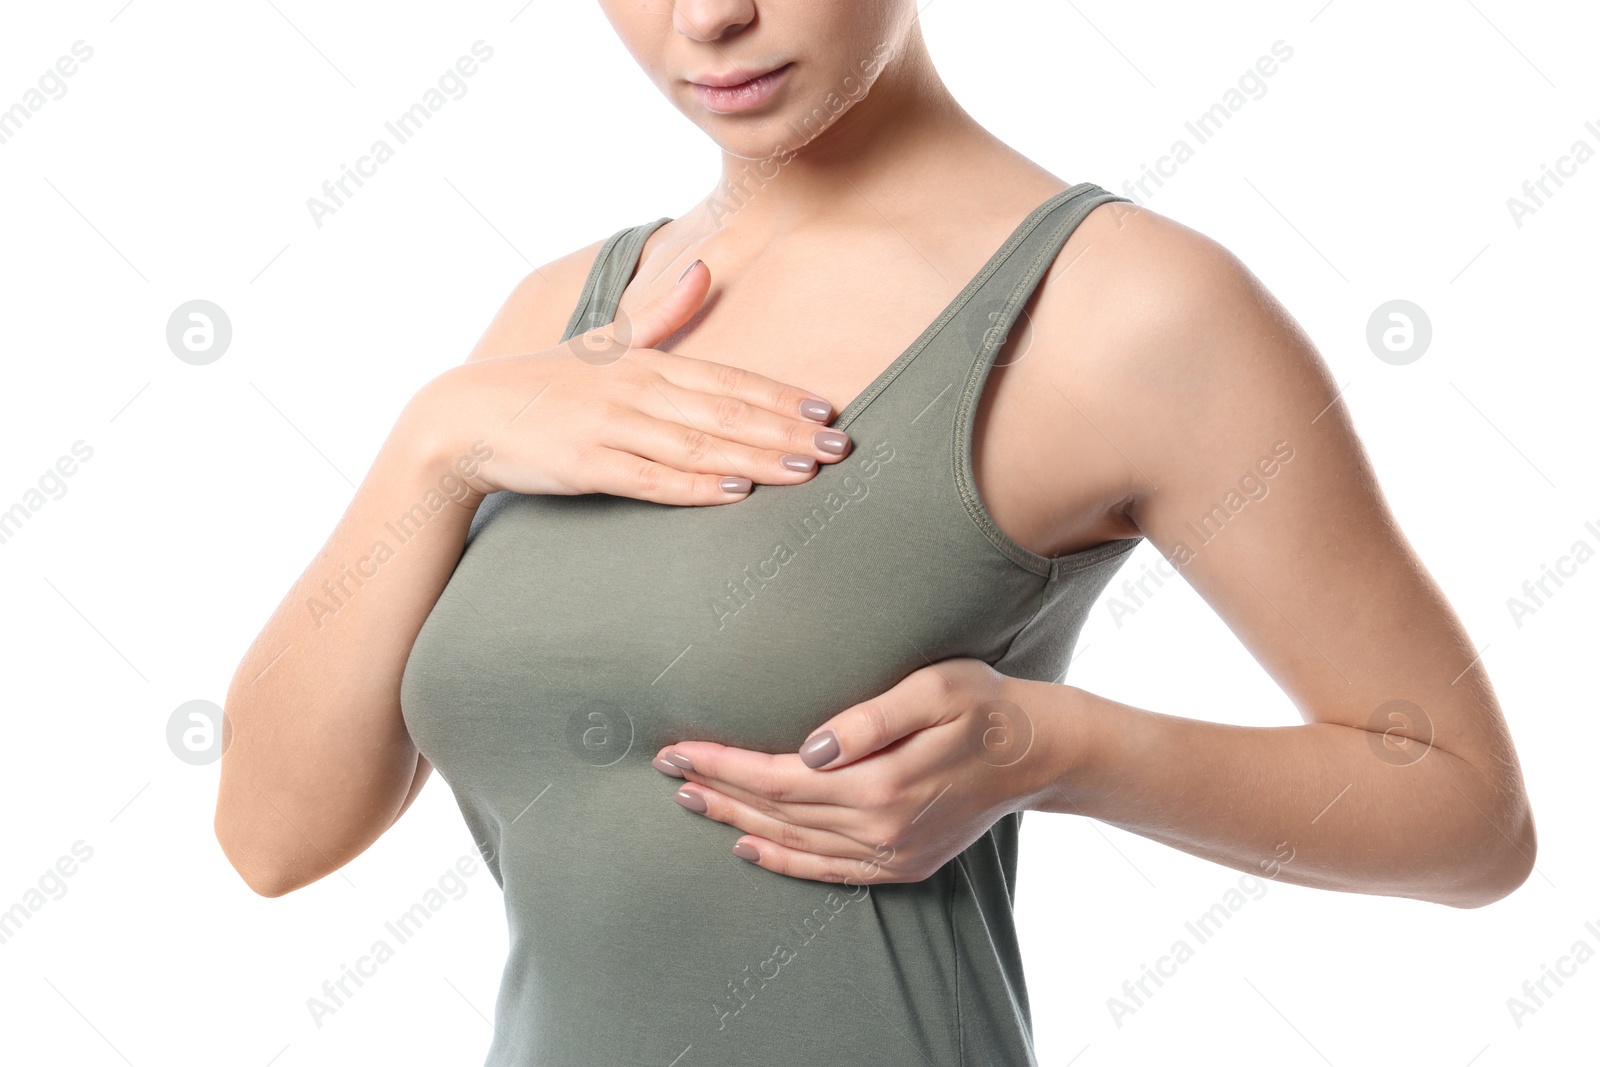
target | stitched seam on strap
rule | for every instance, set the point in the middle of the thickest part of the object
(592, 281)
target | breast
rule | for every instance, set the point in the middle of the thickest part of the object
(580, 631)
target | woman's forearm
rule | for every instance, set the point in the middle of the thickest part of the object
(1319, 804)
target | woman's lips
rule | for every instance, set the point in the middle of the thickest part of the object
(744, 96)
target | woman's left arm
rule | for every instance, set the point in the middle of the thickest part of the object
(1402, 780)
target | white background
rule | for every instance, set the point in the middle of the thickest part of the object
(177, 166)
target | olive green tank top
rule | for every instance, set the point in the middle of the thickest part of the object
(580, 634)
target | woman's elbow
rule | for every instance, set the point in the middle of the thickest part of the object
(1505, 860)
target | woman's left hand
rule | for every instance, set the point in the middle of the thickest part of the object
(921, 772)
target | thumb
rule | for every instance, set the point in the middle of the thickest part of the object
(863, 729)
(665, 315)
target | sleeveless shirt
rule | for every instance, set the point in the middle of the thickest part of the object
(580, 634)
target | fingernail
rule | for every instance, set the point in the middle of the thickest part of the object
(820, 750)
(686, 271)
(664, 767)
(830, 441)
(736, 485)
(690, 800)
(746, 852)
(813, 408)
(678, 761)
(803, 464)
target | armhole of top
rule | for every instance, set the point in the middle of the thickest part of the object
(1085, 199)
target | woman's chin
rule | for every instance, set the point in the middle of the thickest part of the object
(752, 145)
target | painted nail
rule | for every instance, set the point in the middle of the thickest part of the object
(678, 761)
(803, 464)
(815, 409)
(735, 485)
(820, 750)
(686, 271)
(664, 767)
(690, 800)
(830, 441)
(746, 852)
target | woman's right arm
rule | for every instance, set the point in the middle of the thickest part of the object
(317, 761)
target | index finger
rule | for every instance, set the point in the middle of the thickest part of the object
(748, 775)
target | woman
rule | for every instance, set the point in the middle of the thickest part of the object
(846, 632)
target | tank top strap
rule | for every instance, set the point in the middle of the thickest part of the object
(973, 326)
(959, 346)
(982, 324)
(924, 406)
(608, 276)
(988, 320)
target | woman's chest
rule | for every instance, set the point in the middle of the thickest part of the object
(836, 340)
(597, 628)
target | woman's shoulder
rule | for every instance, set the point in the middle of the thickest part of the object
(1162, 299)
(536, 313)
(1161, 332)
(1159, 266)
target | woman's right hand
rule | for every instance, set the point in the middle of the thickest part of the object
(605, 412)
